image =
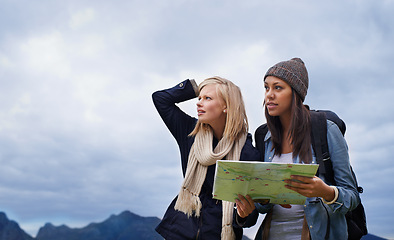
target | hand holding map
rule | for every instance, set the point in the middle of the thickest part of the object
(262, 181)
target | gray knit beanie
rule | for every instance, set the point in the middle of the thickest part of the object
(294, 73)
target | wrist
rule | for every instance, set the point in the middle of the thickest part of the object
(332, 196)
(195, 86)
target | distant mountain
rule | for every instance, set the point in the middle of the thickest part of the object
(124, 226)
(10, 230)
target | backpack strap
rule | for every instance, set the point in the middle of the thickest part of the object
(320, 145)
(330, 115)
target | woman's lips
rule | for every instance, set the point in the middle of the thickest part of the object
(271, 105)
(200, 112)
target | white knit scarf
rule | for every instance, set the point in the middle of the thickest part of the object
(200, 157)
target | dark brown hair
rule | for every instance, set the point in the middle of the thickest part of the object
(300, 130)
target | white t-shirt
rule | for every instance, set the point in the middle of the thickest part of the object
(286, 223)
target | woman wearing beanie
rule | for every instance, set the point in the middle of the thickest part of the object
(220, 132)
(288, 140)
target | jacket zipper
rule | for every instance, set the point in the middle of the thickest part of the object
(199, 228)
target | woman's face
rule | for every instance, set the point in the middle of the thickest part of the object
(211, 108)
(278, 97)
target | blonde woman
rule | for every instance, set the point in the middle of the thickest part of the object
(220, 132)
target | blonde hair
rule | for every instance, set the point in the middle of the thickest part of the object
(236, 120)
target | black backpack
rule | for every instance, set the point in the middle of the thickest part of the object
(356, 220)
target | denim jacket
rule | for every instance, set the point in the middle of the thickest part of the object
(316, 212)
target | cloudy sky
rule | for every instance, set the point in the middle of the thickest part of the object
(80, 138)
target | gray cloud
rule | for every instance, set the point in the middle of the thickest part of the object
(80, 138)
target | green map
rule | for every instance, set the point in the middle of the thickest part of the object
(261, 180)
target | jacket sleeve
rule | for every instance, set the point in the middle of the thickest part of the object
(178, 122)
(248, 221)
(249, 153)
(348, 197)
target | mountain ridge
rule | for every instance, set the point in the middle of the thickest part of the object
(11, 230)
(124, 226)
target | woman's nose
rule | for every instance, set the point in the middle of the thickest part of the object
(269, 94)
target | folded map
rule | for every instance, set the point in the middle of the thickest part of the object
(262, 181)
